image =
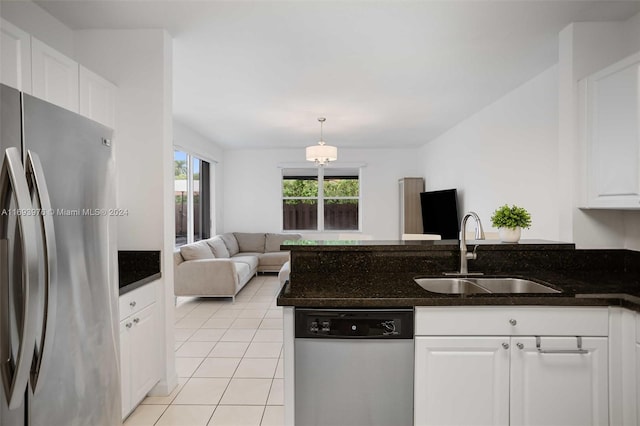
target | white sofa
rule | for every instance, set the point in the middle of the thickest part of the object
(222, 265)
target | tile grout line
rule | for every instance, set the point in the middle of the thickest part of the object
(256, 302)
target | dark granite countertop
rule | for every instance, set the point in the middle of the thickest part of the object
(584, 277)
(137, 268)
(399, 289)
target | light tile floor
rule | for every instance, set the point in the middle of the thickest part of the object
(229, 362)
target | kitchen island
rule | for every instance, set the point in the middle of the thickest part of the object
(569, 357)
(381, 273)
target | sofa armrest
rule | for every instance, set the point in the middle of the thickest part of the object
(202, 277)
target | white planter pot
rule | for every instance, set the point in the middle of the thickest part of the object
(509, 235)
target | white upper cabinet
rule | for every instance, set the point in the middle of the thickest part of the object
(54, 76)
(33, 67)
(15, 57)
(612, 132)
(97, 97)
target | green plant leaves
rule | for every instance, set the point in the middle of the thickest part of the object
(511, 217)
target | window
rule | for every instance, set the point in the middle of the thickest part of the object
(322, 199)
(192, 198)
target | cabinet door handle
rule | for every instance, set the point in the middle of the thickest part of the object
(505, 345)
(513, 322)
(520, 345)
(133, 304)
(136, 320)
(128, 325)
(579, 350)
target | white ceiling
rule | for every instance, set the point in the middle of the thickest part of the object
(385, 73)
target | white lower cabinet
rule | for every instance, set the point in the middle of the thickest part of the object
(461, 381)
(637, 372)
(638, 383)
(550, 377)
(125, 367)
(559, 384)
(139, 347)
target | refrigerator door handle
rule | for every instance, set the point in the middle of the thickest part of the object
(15, 367)
(40, 196)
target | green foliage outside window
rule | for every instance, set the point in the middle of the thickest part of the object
(341, 187)
(299, 188)
(180, 170)
(309, 188)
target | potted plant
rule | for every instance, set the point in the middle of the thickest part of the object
(509, 221)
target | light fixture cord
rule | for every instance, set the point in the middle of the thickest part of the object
(321, 120)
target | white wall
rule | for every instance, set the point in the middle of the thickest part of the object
(252, 188)
(532, 135)
(504, 154)
(134, 61)
(139, 63)
(585, 48)
(190, 141)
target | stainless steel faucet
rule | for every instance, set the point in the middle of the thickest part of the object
(464, 256)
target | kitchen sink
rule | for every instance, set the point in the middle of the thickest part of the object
(449, 285)
(512, 285)
(482, 285)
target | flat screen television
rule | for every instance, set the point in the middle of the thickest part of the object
(440, 213)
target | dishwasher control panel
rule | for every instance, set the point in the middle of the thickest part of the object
(354, 323)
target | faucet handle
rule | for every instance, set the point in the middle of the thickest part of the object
(473, 255)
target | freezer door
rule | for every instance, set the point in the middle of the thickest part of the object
(78, 380)
(10, 290)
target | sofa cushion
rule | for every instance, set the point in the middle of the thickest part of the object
(243, 270)
(199, 250)
(285, 271)
(273, 241)
(231, 243)
(251, 260)
(250, 241)
(274, 258)
(218, 248)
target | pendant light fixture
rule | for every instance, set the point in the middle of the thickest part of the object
(322, 153)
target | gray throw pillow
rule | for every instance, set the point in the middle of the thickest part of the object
(274, 241)
(199, 250)
(251, 242)
(231, 243)
(218, 248)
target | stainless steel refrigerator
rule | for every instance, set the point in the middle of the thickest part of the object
(58, 289)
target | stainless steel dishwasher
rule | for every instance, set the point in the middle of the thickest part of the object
(354, 367)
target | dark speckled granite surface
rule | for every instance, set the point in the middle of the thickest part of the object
(137, 268)
(379, 274)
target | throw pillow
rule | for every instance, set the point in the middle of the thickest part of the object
(218, 248)
(250, 242)
(199, 250)
(231, 243)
